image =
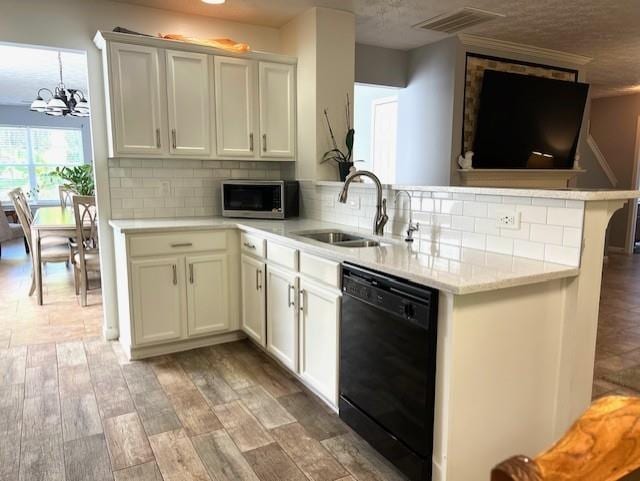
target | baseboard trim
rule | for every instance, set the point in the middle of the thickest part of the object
(136, 353)
(617, 250)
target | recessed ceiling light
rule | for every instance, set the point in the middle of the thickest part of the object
(214, 2)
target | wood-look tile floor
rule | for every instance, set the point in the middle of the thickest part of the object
(61, 318)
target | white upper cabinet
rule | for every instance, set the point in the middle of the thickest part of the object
(277, 110)
(189, 99)
(235, 119)
(135, 97)
(207, 294)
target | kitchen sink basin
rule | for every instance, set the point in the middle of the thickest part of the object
(339, 238)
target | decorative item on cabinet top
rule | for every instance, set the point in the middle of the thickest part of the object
(194, 101)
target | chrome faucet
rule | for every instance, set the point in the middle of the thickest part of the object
(411, 228)
(381, 217)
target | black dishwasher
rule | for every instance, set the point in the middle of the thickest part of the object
(387, 366)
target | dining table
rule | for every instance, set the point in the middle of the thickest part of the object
(49, 221)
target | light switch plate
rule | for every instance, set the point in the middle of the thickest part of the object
(509, 220)
(165, 188)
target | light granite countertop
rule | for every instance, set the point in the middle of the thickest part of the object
(567, 194)
(442, 266)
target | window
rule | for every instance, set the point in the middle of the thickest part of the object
(28, 154)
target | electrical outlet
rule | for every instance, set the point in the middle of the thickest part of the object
(509, 220)
(165, 188)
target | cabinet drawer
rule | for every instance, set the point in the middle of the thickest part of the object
(320, 269)
(285, 256)
(252, 244)
(177, 242)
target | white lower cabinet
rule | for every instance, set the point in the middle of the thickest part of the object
(207, 294)
(319, 334)
(253, 321)
(282, 316)
(157, 291)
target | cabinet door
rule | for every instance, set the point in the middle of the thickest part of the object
(319, 331)
(157, 291)
(207, 294)
(189, 103)
(282, 316)
(235, 92)
(136, 102)
(277, 110)
(253, 299)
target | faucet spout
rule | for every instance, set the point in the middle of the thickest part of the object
(381, 217)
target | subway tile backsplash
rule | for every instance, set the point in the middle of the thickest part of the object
(549, 230)
(148, 188)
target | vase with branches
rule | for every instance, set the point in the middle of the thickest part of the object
(343, 158)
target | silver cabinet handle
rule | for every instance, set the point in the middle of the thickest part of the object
(264, 142)
(173, 138)
(158, 138)
(289, 301)
(301, 303)
(183, 244)
(175, 275)
(248, 245)
(259, 279)
(251, 142)
(191, 273)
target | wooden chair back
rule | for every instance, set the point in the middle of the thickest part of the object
(86, 217)
(603, 445)
(65, 195)
(23, 210)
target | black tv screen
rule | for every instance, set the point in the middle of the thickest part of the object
(527, 122)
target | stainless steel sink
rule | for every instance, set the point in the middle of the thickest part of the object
(339, 238)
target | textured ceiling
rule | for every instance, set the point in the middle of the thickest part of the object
(606, 30)
(24, 70)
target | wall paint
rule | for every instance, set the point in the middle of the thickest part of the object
(18, 115)
(381, 66)
(426, 115)
(613, 126)
(30, 22)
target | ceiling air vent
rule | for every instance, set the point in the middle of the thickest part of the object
(457, 20)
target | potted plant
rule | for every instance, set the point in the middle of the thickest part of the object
(343, 159)
(78, 178)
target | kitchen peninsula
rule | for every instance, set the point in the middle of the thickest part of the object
(516, 335)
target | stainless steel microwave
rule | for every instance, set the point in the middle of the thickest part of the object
(260, 199)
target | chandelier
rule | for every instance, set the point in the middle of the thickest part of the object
(62, 101)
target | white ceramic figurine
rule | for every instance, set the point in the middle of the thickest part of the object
(466, 162)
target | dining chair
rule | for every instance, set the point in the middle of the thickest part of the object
(87, 257)
(65, 195)
(9, 230)
(52, 248)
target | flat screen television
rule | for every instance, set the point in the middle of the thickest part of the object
(527, 122)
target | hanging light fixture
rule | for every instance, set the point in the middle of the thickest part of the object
(62, 101)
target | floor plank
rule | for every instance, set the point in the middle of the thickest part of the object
(270, 463)
(99, 353)
(360, 458)
(41, 355)
(142, 472)
(11, 401)
(156, 412)
(112, 393)
(172, 377)
(317, 421)
(177, 458)
(10, 454)
(41, 380)
(194, 412)
(74, 381)
(308, 454)
(42, 459)
(127, 442)
(140, 377)
(221, 457)
(265, 407)
(233, 372)
(80, 417)
(13, 363)
(214, 388)
(242, 426)
(41, 417)
(71, 354)
(87, 459)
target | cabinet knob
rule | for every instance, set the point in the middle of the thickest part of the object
(249, 245)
